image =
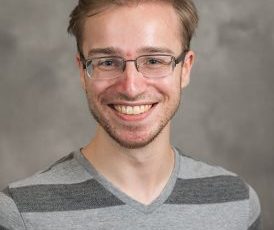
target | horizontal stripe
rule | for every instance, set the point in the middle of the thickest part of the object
(65, 171)
(45, 198)
(257, 225)
(225, 216)
(3, 228)
(194, 169)
(208, 190)
(62, 160)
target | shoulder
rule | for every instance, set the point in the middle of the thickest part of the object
(20, 195)
(66, 170)
(63, 173)
(220, 185)
(191, 168)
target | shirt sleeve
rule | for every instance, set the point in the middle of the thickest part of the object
(10, 218)
(255, 216)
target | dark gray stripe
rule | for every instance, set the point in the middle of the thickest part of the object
(81, 196)
(3, 228)
(216, 189)
(257, 225)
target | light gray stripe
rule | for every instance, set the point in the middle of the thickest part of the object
(257, 225)
(208, 190)
(65, 171)
(45, 198)
(192, 169)
(62, 160)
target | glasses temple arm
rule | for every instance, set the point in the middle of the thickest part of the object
(181, 57)
(82, 59)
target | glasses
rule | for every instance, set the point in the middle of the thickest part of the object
(150, 66)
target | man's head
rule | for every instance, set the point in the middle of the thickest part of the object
(134, 104)
(185, 9)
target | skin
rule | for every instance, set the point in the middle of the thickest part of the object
(134, 151)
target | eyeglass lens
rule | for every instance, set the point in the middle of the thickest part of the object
(149, 66)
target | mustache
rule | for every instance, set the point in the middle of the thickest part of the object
(120, 96)
(125, 97)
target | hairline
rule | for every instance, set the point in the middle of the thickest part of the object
(107, 7)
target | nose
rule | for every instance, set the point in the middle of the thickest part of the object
(132, 83)
(125, 64)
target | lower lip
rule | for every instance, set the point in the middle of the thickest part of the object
(134, 117)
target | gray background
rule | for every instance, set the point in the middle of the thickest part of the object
(227, 112)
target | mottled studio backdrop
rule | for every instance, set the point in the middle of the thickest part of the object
(227, 112)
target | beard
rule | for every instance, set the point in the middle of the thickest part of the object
(139, 142)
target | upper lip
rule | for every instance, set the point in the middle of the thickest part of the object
(132, 103)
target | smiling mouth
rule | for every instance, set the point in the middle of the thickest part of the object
(132, 110)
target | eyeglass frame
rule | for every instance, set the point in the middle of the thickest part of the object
(175, 61)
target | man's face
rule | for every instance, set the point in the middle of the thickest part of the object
(128, 32)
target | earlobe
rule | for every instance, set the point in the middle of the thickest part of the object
(81, 71)
(186, 68)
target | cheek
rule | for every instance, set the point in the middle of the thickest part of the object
(170, 84)
(97, 88)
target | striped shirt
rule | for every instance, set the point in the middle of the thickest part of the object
(71, 194)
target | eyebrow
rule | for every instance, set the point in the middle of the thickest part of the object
(153, 49)
(117, 51)
(107, 51)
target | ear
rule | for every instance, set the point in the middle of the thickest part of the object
(186, 68)
(81, 71)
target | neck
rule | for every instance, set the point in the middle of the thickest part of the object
(140, 173)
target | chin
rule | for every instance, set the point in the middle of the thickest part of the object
(133, 144)
(133, 140)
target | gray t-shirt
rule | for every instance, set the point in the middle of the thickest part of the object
(71, 194)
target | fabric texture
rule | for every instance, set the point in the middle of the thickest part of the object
(71, 194)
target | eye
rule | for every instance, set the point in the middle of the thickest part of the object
(157, 60)
(153, 61)
(106, 62)
(109, 63)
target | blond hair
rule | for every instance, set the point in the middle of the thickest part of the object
(185, 9)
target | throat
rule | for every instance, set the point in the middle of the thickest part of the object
(141, 175)
(144, 181)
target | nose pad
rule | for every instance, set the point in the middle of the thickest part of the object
(130, 70)
(135, 64)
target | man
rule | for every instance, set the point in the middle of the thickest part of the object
(134, 60)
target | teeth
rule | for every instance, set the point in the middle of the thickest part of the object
(132, 110)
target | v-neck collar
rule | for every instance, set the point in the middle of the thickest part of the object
(165, 193)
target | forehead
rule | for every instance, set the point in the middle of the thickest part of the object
(132, 27)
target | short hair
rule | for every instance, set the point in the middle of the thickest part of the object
(186, 10)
